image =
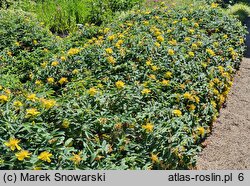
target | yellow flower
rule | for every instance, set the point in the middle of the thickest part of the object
(184, 19)
(191, 31)
(92, 91)
(194, 46)
(45, 156)
(35, 42)
(241, 40)
(106, 30)
(119, 84)
(146, 91)
(99, 85)
(221, 69)
(157, 33)
(216, 44)
(187, 95)
(38, 82)
(75, 71)
(182, 86)
(18, 103)
(152, 76)
(172, 42)
(199, 43)
(73, 51)
(191, 107)
(168, 74)
(3, 98)
(31, 112)
(160, 39)
(157, 44)
(177, 113)
(191, 54)
(9, 53)
(119, 43)
(1, 88)
(63, 80)
(31, 75)
(154, 68)
(213, 103)
(37, 168)
(45, 50)
(215, 91)
(13, 144)
(111, 60)
(187, 39)
(47, 104)
(7, 91)
(17, 43)
(196, 25)
(63, 58)
(50, 80)
(214, 5)
(111, 38)
(148, 63)
(32, 97)
(171, 52)
(216, 80)
(76, 158)
(165, 82)
(201, 131)
(65, 123)
(197, 99)
(148, 127)
(44, 64)
(54, 63)
(222, 99)
(169, 30)
(174, 22)
(210, 52)
(109, 50)
(225, 36)
(22, 155)
(154, 158)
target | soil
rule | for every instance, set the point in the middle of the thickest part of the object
(228, 147)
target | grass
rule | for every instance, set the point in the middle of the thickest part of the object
(61, 16)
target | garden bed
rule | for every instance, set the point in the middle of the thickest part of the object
(139, 93)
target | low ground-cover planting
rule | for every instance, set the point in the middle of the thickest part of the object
(140, 93)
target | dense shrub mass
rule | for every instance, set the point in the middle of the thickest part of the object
(24, 43)
(140, 94)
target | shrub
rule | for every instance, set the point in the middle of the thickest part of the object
(141, 94)
(23, 42)
(241, 11)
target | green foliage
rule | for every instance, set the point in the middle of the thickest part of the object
(241, 11)
(122, 5)
(140, 93)
(5, 3)
(63, 16)
(23, 42)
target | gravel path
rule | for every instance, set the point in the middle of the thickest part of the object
(228, 147)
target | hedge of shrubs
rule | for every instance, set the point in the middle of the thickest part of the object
(141, 93)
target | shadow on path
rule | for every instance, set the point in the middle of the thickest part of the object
(247, 53)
